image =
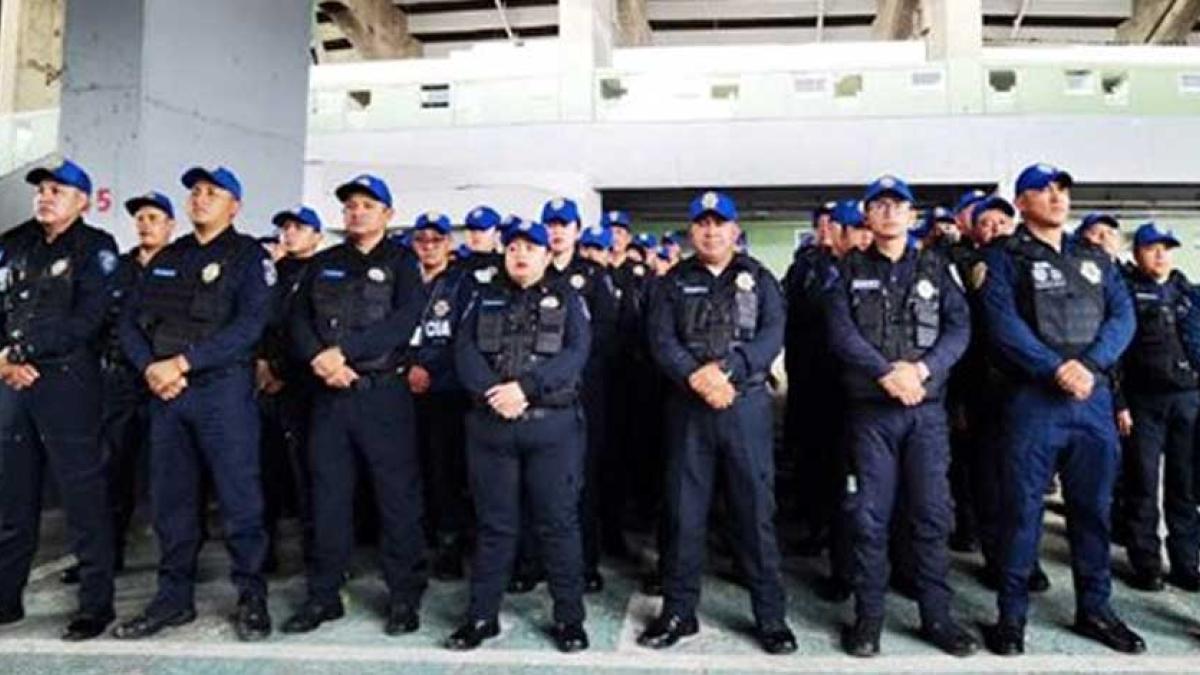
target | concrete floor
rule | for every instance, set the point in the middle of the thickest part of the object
(1170, 621)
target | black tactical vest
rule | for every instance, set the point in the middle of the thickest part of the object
(347, 298)
(1060, 296)
(437, 319)
(715, 314)
(42, 294)
(1156, 360)
(901, 322)
(518, 329)
(180, 307)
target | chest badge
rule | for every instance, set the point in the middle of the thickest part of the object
(549, 302)
(484, 275)
(744, 281)
(59, 267)
(210, 273)
(639, 271)
(577, 281)
(441, 308)
(925, 289)
(1090, 271)
(377, 275)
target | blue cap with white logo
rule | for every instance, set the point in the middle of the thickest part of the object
(717, 203)
(616, 218)
(1038, 176)
(154, 199)
(530, 231)
(847, 213)
(67, 173)
(888, 185)
(1097, 218)
(597, 236)
(992, 203)
(645, 240)
(968, 199)
(560, 209)
(482, 218)
(303, 215)
(366, 184)
(431, 220)
(220, 176)
(1150, 233)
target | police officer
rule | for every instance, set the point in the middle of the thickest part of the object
(1101, 231)
(964, 210)
(599, 509)
(595, 244)
(810, 427)
(55, 275)
(482, 225)
(1162, 389)
(898, 322)
(439, 400)
(355, 311)
(981, 390)
(285, 385)
(716, 324)
(191, 328)
(520, 354)
(1058, 317)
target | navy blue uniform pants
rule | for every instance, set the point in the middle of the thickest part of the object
(1045, 432)
(442, 443)
(124, 439)
(896, 450)
(1163, 430)
(55, 422)
(213, 423)
(738, 442)
(372, 427)
(539, 459)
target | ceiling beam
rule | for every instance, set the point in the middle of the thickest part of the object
(377, 28)
(633, 23)
(1160, 22)
(896, 20)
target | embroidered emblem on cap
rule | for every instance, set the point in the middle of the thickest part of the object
(614, 215)
(887, 182)
(432, 216)
(364, 180)
(477, 213)
(710, 200)
(744, 281)
(377, 275)
(557, 203)
(1046, 168)
(525, 227)
(210, 272)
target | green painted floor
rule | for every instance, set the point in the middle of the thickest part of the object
(1170, 621)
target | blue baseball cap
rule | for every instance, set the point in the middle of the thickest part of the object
(1038, 176)
(482, 218)
(825, 209)
(616, 219)
(663, 253)
(671, 238)
(645, 240)
(462, 252)
(67, 173)
(968, 199)
(220, 176)
(713, 202)
(560, 209)
(597, 236)
(1150, 233)
(303, 215)
(992, 203)
(156, 199)
(888, 185)
(921, 230)
(847, 212)
(939, 214)
(1096, 218)
(366, 184)
(432, 220)
(530, 231)
(402, 237)
(510, 221)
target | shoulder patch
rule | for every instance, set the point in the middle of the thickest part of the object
(978, 275)
(270, 275)
(108, 261)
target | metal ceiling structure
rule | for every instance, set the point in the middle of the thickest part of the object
(440, 26)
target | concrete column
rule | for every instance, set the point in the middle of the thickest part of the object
(956, 38)
(585, 36)
(31, 47)
(152, 87)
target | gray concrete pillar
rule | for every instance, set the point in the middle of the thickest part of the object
(152, 87)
